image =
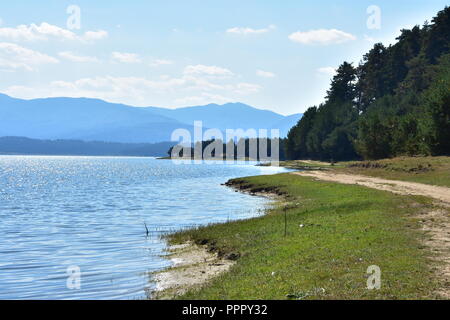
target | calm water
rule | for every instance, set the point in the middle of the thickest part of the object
(89, 212)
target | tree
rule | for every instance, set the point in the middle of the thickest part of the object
(396, 102)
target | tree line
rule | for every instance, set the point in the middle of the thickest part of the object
(257, 149)
(395, 102)
(27, 146)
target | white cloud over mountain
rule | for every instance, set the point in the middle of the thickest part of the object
(321, 37)
(137, 90)
(203, 98)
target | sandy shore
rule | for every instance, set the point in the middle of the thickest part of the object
(192, 267)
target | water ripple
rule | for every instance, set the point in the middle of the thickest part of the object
(89, 212)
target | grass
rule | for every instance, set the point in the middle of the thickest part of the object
(345, 230)
(308, 165)
(428, 170)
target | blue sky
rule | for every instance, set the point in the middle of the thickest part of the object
(276, 55)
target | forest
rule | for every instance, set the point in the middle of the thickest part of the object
(257, 149)
(27, 146)
(395, 102)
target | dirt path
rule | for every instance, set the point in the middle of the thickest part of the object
(395, 186)
(435, 223)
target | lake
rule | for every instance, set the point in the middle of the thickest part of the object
(91, 213)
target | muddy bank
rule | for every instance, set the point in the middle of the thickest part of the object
(255, 190)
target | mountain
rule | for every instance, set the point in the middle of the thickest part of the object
(84, 119)
(98, 120)
(222, 116)
(27, 146)
(284, 125)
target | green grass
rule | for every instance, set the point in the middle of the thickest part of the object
(346, 229)
(428, 170)
(308, 165)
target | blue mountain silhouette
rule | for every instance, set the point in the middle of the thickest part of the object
(98, 120)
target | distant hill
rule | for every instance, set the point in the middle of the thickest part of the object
(98, 120)
(27, 146)
(284, 125)
(83, 119)
(231, 116)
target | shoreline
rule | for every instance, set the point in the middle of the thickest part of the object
(196, 264)
(413, 220)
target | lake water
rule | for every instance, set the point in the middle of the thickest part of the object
(89, 213)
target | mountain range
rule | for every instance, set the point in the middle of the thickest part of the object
(97, 120)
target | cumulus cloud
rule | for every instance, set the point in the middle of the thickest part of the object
(207, 70)
(13, 56)
(321, 37)
(187, 89)
(46, 31)
(329, 71)
(125, 57)
(265, 74)
(132, 90)
(76, 58)
(249, 31)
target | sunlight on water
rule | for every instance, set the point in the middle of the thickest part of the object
(90, 212)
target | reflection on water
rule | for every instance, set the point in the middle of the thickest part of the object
(89, 212)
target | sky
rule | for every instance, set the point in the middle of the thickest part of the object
(275, 55)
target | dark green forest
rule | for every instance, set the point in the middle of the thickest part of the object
(395, 102)
(258, 149)
(27, 146)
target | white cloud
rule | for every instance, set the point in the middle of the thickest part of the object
(186, 89)
(95, 35)
(76, 58)
(204, 98)
(265, 74)
(160, 62)
(321, 37)
(46, 31)
(329, 71)
(249, 31)
(207, 70)
(247, 88)
(13, 56)
(125, 57)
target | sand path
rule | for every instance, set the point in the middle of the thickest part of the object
(395, 186)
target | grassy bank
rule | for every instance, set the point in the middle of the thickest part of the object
(429, 170)
(334, 233)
